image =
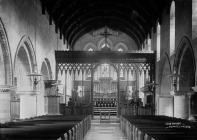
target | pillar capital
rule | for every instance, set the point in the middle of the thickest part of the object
(181, 93)
(31, 92)
(5, 89)
(50, 83)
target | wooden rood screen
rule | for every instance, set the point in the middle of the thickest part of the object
(83, 61)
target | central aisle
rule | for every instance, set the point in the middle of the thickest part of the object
(105, 130)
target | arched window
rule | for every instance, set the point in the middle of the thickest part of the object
(90, 46)
(120, 50)
(90, 49)
(149, 43)
(105, 45)
(172, 28)
(158, 42)
(121, 47)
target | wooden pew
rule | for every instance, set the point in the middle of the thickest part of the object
(155, 128)
(41, 128)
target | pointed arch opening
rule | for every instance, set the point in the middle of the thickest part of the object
(24, 64)
(6, 74)
(158, 41)
(185, 66)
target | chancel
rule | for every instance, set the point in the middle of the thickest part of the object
(97, 69)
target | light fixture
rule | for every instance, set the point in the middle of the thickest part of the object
(57, 83)
(35, 77)
(194, 88)
(90, 50)
(173, 79)
(120, 50)
(151, 86)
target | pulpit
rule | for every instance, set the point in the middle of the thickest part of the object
(52, 97)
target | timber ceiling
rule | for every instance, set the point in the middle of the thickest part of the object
(75, 18)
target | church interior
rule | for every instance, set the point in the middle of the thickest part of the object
(97, 69)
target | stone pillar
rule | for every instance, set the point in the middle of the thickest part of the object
(189, 94)
(181, 106)
(52, 97)
(5, 100)
(28, 103)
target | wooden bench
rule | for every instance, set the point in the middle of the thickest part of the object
(157, 128)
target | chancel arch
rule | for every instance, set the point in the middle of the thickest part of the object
(24, 64)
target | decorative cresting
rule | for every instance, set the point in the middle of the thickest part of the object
(134, 67)
(75, 61)
(74, 67)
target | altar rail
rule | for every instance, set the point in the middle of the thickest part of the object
(78, 131)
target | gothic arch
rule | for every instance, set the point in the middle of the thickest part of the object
(166, 70)
(90, 45)
(185, 65)
(46, 72)
(121, 45)
(6, 68)
(46, 69)
(24, 62)
(158, 41)
(172, 27)
(26, 43)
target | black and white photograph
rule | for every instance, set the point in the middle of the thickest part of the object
(98, 69)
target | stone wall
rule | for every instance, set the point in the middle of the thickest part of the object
(22, 20)
(115, 39)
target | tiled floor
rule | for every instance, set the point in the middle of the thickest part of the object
(105, 130)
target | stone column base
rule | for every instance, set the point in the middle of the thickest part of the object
(28, 103)
(181, 106)
(53, 105)
(5, 99)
